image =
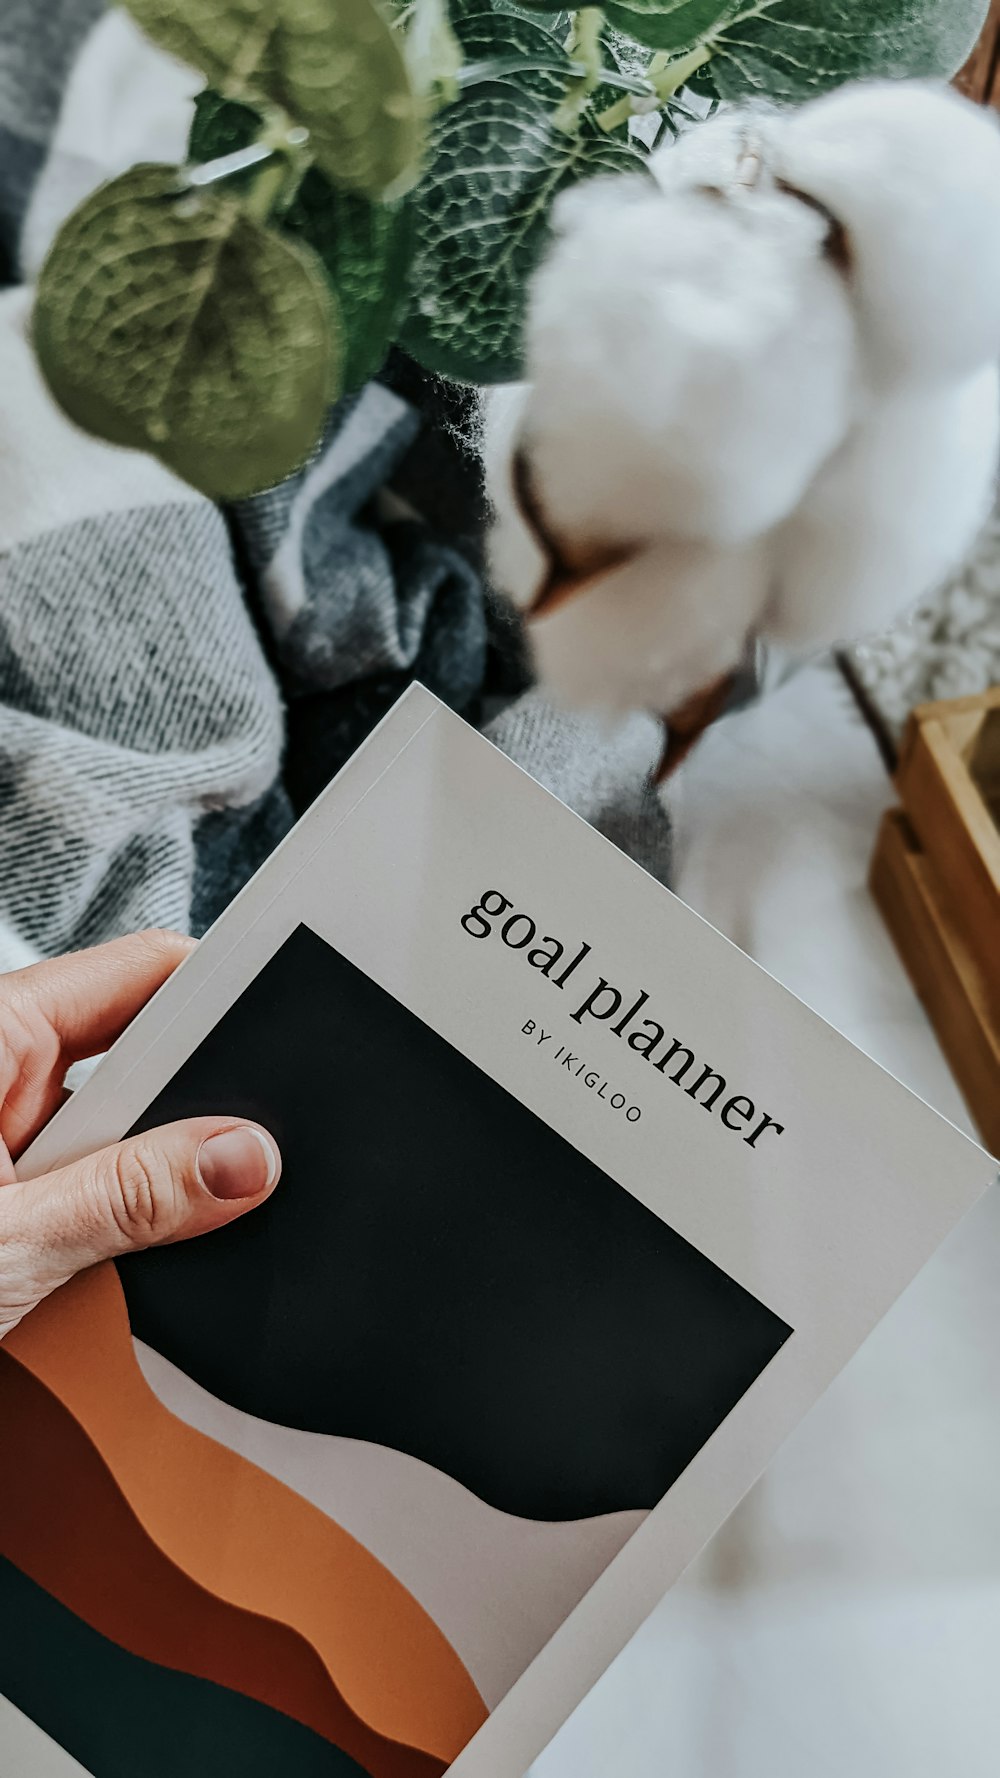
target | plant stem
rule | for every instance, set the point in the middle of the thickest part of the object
(587, 50)
(281, 151)
(276, 187)
(267, 188)
(619, 113)
(665, 80)
(669, 79)
(623, 109)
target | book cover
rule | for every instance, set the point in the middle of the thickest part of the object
(580, 1212)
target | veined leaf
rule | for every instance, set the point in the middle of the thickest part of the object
(433, 52)
(228, 40)
(364, 244)
(365, 249)
(556, 22)
(335, 66)
(487, 35)
(173, 322)
(221, 126)
(482, 220)
(543, 14)
(492, 35)
(794, 49)
(672, 25)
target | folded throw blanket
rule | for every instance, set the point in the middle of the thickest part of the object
(176, 681)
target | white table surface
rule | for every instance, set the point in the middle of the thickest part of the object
(847, 1618)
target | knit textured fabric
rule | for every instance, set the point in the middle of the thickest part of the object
(948, 648)
(178, 682)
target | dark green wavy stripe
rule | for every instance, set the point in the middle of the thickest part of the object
(122, 1716)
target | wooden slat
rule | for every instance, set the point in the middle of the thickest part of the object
(953, 822)
(984, 764)
(945, 974)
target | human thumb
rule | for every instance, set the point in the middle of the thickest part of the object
(163, 1185)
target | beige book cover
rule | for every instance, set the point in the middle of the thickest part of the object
(580, 1213)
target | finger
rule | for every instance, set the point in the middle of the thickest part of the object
(164, 1185)
(19, 1126)
(88, 997)
(54, 1013)
(32, 1076)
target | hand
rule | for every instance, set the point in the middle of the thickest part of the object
(161, 1186)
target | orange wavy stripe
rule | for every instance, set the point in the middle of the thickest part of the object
(65, 1524)
(243, 1536)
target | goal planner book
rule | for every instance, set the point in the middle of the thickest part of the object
(580, 1212)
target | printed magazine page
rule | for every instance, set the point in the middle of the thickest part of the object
(580, 1212)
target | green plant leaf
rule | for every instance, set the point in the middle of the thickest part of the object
(673, 25)
(482, 220)
(486, 36)
(556, 22)
(365, 249)
(491, 35)
(335, 66)
(173, 322)
(227, 39)
(221, 126)
(627, 57)
(794, 49)
(433, 52)
(364, 244)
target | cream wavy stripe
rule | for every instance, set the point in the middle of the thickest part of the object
(246, 1538)
(89, 1552)
(497, 1586)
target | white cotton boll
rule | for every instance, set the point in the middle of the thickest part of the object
(708, 369)
(912, 171)
(516, 563)
(691, 362)
(654, 630)
(890, 514)
(708, 155)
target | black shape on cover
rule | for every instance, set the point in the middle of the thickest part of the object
(438, 1271)
(122, 1716)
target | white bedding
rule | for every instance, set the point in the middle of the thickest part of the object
(847, 1619)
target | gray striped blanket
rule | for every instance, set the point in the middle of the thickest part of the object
(177, 682)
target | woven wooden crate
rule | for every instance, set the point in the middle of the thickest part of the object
(936, 878)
